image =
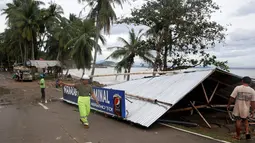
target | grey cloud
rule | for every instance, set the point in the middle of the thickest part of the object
(235, 53)
(124, 28)
(240, 43)
(241, 39)
(247, 9)
(2, 6)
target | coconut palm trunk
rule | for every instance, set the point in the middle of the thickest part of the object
(25, 52)
(21, 52)
(129, 70)
(157, 61)
(96, 48)
(33, 49)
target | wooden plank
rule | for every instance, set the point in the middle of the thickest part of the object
(221, 106)
(201, 115)
(222, 96)
(186, 109)
(192, 111)
(221, 82)
(198, 107)
(206, 97)
(213, 92)
(148, 99)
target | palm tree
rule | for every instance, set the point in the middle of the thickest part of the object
(15, 33)
(82, 43)
(10, 46)
(50, 19)
(26, 15)
(62, 33)
(103, 13)
(132, 48)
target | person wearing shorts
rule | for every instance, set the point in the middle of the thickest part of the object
(244, 98)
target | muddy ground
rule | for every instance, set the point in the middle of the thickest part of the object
(23, 120)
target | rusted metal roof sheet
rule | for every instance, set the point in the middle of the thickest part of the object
(170, 89)
(44, 63)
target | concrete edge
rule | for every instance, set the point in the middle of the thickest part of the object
(193, 133)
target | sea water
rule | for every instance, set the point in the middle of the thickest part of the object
(120, 78)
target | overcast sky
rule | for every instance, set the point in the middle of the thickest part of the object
(240, 44)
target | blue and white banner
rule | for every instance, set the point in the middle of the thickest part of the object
(111, 101)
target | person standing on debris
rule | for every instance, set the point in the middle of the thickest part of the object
(244, 97)
(85, 91)
(42, 87)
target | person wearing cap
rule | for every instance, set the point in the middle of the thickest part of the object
(42, 86)
(244, 98)
(85, 92)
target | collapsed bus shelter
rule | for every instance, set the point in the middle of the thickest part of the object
(148, 99)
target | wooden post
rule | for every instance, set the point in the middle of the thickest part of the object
(214, 92)
(201, 115)
(192, 111)
(222, 96)
(206, 97)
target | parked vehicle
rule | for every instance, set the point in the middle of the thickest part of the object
(27, 76)
(22, 73)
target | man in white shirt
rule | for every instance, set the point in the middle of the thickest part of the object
(244, 98)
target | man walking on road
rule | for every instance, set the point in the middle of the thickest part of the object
(42, 86)
(84, 91)
(244, 97)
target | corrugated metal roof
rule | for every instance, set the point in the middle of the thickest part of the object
(170, 89)
(44, 63)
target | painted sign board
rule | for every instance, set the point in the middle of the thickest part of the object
(111, 101)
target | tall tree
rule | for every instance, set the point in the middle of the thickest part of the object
(179, 29)
(82, 42)
(132, 48)
(103, 13)
(25, 15)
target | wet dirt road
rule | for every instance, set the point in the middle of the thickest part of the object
(60, 123)
(23, 120)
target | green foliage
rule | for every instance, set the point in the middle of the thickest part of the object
(180, 27)
(35, 32)
(178, 31)
(132, 48)
(83, 42)
(103, 14)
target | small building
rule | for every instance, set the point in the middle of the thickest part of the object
(45, 66)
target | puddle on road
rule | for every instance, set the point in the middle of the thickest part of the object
(3, 100)
(4, 91)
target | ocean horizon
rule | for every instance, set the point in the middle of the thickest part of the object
(120, 78)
